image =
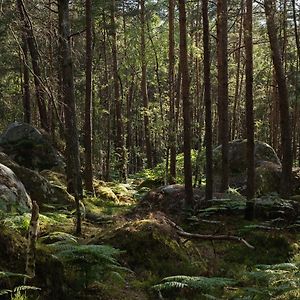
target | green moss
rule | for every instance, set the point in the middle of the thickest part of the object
(152, 249)
(98, 208)
(106, 193)
(55, 178)
(269, 249)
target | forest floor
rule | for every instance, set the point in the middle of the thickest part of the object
(132, 247)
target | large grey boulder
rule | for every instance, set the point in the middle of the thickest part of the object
(13, 196)
(267, 164)
(29, 147)
(38, 187)
(237, 156)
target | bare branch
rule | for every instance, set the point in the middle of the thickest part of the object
(209, 237)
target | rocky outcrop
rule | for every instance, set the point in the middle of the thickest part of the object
(38, 187)
(28, 147)
(13, 196)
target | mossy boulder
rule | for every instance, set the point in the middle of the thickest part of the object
(267, 164)
(272, 207)
(55, 178)
(13, 196)
(38, 187)
(169, 199)
(104, 192)
(152, 246)
(29, 147)
(268, 177)
(12, 249)
(237, 155)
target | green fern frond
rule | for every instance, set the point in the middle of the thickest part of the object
(5, 292)
(75, 253)
(22, 288)
(91, 263)
(283, 266)
(4, 274)
(196, 283)
(170, 285)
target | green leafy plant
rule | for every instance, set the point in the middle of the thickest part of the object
(202, 285)
(18, 292)
(279, 281)
(87, 264)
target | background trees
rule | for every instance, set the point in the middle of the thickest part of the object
(137, 78)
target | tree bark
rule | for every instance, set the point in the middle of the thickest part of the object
(39, 91)
(238, 72)
(26, 84)
(119, 141)
(222, 57)
(249, 212)
(286, 144)
(144, 88)
(31, 241)
(171, 82)
(88, 168)
(186, 105)
(71, 133)
(207, 100)
(296, 28)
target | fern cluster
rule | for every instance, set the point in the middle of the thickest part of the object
(86, 264)
(18, 292)
(278, 282)
(202, 285)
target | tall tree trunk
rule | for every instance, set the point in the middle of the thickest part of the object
(144, 87)
(120, 141)
(71, 133)
(39, 90)
(88, 167)
(222, 55)
(238, 72)
(129, 138)
(186, 105)
(207, 100)
(26, 83)
(171, 82)
(296, 111)
(249, 212)
(286, 144)
(107, 104)
(296, 28)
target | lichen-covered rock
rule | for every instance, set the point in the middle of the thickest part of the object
(38, 187)
(13, 196)
(29, 147)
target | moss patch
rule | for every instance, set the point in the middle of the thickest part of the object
(152, 248)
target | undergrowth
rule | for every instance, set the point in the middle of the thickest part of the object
(86, 264)
(276, 281)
